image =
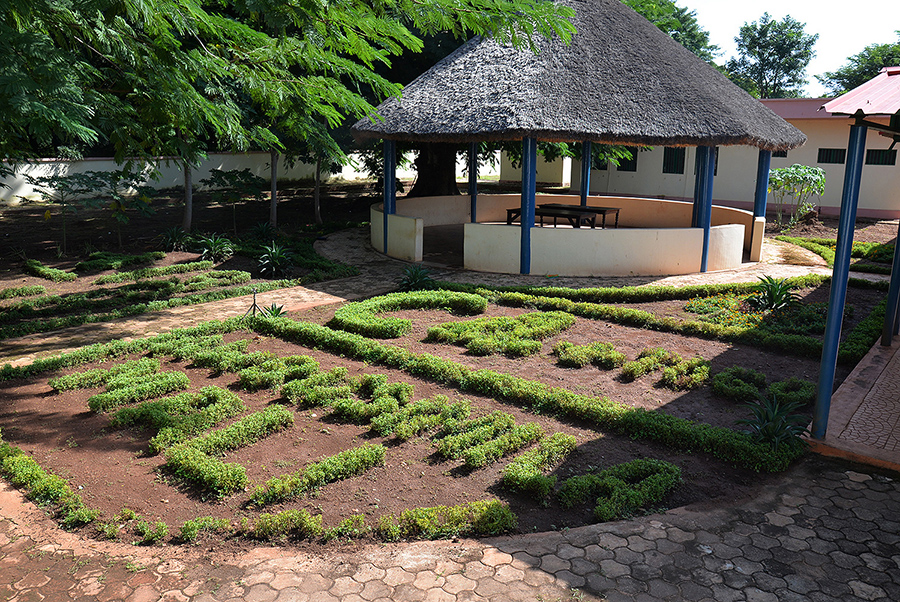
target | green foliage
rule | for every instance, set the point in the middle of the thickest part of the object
(773, 422)
(151, 534)
(361, 317)
(860, 68)
(35, 268)
(123, 389)
(98, 377)
(416, 277)
(456, 437)
(649, 360)
(524, 473)
(275, 261)
(793, 391)
(478, 456)
(175, 239)
(686, 374)
(234, 186)
(273, 373)
(601, 354)
(622, 489)
(322, 388)
(419, 416)
(773, 293)
(65, 190)
(275, 311)
(739, 383)
(22, 291)
(192, 528)
(245, 432)
(516, 337)
(354, 526)
(294, 523)
(489, 517)
(859, 340)
(102, 260)
(204, 472)
(135, 275)
(798, 183)
(214, 247)
(346, 464)
(264, 231)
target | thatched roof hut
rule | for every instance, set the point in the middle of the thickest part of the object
(620, 81)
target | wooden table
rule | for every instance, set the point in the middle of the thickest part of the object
(601, 211)
(574, 214)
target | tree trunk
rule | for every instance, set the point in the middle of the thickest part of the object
(436, 169)
(317, 196)
(188, 198)
(273, 198)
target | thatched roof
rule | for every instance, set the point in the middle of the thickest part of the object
(620, 81)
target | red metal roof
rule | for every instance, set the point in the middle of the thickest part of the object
(878, 96)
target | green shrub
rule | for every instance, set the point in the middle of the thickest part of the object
(456, 437)
(244, 432)
(773, 422)
(322, 388)
(192, 528)
(150, 534)
(738, 383)
(102, 260)
(416, 278)
(22, 291)
(355, 526)
(649, 360)
(420, 416)
(296, 523)
(489, 517)
(35, 268)
(516, 337)
(275, 372)
(338, 467)
(621, 489)
(773, 293)
(157, 272)
(123, 389)
(214, 247)
(276, 261)
(524, 473)
(686, 374)
(603, 355)
(200, 412)
(793, 391)
(361, 317)
(98, 377)
(204, 472)
(489, 452)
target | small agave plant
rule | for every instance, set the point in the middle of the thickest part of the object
(416, 278)
(773, 293)
(274, 311)
(276, 261)
(215, 247)
(774, 422)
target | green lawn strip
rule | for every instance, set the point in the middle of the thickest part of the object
(621, 489)
(98, 377)
(43, 488)
(145, 273)
(35, 268)
(677, 433)
(362, 317)
(515, 336)
(482, 518)
(193, 461)
(22, 291)
(125, 389)
(102, 260)
(525, 472)
(343, 465)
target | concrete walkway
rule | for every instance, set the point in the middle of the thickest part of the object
(824, 531)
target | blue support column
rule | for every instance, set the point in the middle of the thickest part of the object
(698, 171)
(586, 161)
(390, 185)
(703, 194)
(849, 200)
(529, 191)
(473, 180)
(890, 312)
(762, 183)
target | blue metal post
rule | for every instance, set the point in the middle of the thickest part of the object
(890, 312)
(473, 180)
(762, 183)
(849, 200)
(529, 191)
(698, 171)
(706, 162)
(586, 160)
(390, 184)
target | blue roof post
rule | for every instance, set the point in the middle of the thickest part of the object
(762, 183)
(529, 191)
(840, 274)
(706, 165)
(390, 184)
(473, 180)
(891, 311)
(698, 185)
(586, 161)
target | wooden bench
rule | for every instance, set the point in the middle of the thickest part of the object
(601, 211)
(575, 217)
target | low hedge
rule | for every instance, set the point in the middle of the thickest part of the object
(297, 523)
(452, 443)
(488, 517)
(621, 489)
(525, 472)
(205, 472)
(512, 441)
(516, 337)
(103, 260)
(686, 374)
(739, 383)
(361, 317)
(648, 360)
(35, 268)
(123, 389)
(420, 416)
(97, 377)
(146, 273)
(600, 354)
(22, 291)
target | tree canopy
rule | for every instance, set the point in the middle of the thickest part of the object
(861, 67)
(151, 77)
(773, 56)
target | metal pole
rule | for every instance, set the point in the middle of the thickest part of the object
(390, 184)
(473, 180)
(849, 200)
(762, 183)
(703, 197)
(890, 312)
(698, 184)
(586, 161)
(529, 191)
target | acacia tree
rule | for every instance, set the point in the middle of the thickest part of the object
(773, 56)
(861, 67)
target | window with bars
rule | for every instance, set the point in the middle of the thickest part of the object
(832, 155)
(779, 154)
(673, 160)
(881, 156)
(629, 165)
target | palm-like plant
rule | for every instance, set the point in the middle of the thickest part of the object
(775, 422)
(772, 293)
(416, 278)
(215, 248)
(276, 261)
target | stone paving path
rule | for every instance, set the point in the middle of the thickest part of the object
(826, 532)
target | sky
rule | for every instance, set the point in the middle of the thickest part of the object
(844, 30)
